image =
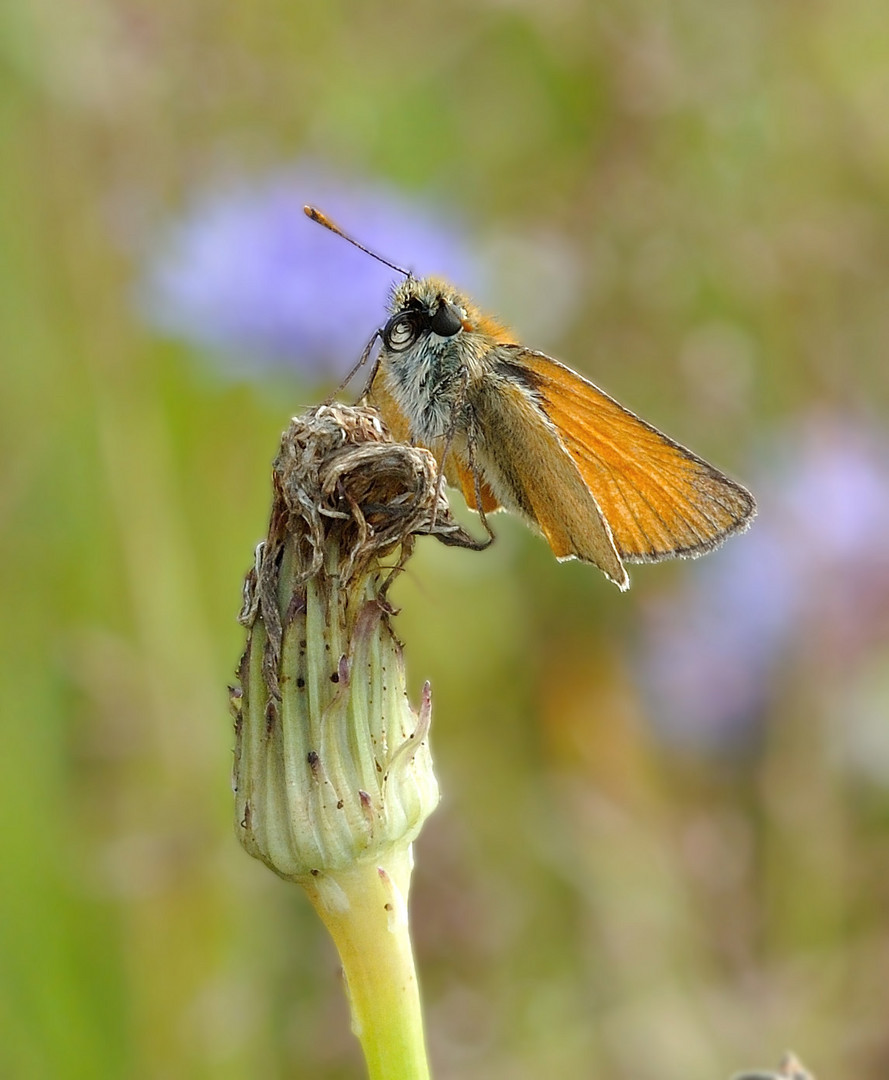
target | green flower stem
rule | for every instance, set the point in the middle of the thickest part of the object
(365, 912)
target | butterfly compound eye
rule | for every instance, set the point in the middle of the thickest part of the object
(446, 321)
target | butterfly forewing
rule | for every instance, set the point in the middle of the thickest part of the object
(658, 498)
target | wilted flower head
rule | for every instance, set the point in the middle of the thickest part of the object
(244, 273)
(331, 762)
(808, 586)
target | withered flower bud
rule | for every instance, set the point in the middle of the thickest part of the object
(333, 777)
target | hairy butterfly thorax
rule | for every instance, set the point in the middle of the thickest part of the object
(435, 350)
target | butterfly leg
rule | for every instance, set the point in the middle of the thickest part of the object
(482, 544)
(459, 402)
(362, 360)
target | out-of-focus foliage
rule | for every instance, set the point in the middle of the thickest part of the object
(662, 851)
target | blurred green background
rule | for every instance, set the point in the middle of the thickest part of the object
(596, 897)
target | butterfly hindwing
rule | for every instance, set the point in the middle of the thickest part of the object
(525, 465)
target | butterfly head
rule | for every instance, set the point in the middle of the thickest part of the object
(422, 307)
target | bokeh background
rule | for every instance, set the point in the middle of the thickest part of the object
(663, 848)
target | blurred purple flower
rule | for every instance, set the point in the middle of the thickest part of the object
(243, 273)
(809, 584)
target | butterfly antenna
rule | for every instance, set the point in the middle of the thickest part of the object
(322, 219)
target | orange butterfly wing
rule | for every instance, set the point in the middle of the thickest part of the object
(459, 474)
(658, 498)
(394, 418)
